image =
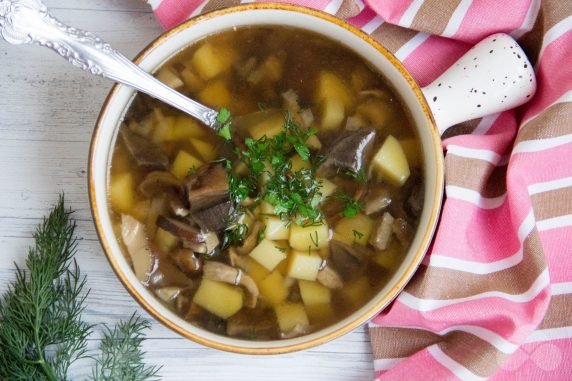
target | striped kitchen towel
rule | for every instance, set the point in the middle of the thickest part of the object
(493, 299)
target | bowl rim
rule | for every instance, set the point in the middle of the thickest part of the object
(364, 315)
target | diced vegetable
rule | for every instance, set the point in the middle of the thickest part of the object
(390, 161)
(389, 258)
(314, 143)
(276, 229)
(330, 86)
(273, 289)
(328, 188)
(269, 253)
(169, 78)
(121, 192)
(271, 126)
(355, 229)
(298, 163)
(191, 79)
(333, 114)
(314, 293)
(215, 94)
(304, 265)
(140, 210)
(256, 271)
(210, 60)
(165, 240)
(205, 150)
(289, 315)
(221, 299)
(183, 163)
(185, 128)
(267, 208)
(314, 237)
(163, 131)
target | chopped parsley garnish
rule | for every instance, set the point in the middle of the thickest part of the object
(352, 207)
(224, 120)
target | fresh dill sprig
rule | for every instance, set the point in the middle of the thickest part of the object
(121, 357)
(41, 330)
(352, 207)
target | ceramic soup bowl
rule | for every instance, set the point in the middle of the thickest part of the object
(466, 91)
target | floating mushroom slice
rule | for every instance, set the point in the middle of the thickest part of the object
(188, 261)
(168, 294)
(157, 183)
(251, 240)
(348, 153)
(192, 238)
(403, 231)
(377, 199)
(146, 154)
(223, 273)
(328, 277)
(135, 239)
(207, 187)
(348, 260)
(213, 218)
(382, 236)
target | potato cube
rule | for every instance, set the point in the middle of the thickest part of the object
(170, 78)
(165, 240)
(210, 60)
(271, 126)
(205, 150)
(121, 192)
(304, 265)
(269, 253)
(276, 229)
(163, 131)
(183, 163)
(320, 313)
(289, 315)
(216, 94)
(357, 292)
(304, 237)
(140, 210)
(390, 161)
(331, 86)
(191, 79)
(412, 151)
(273, 289)
(219, 298)
(298, 163)
(186, 128)
(390, 258)
(333, 114)
(256, 271)
(314, 293)
(314, 143)
(267, 208)
(355, 229)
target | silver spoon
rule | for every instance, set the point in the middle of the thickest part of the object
(29, 22)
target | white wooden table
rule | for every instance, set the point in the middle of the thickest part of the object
(47, 113)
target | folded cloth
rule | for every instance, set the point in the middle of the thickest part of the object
(493, 298)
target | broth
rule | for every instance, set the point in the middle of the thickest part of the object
(300, 218)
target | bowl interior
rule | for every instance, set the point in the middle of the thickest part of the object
(173, 42)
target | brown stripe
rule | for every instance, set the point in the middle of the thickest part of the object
(550, 123)
(434, 15)
(532, 41)
(555, 11)
(478, 175)
(473, 353)
(392, 37)
(442, 284)
(400, 342)
(464, 128)
(218, 4)
(349, 8)
(559, 312)
(554, 203)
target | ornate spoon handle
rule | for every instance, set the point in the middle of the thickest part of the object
(29, 22)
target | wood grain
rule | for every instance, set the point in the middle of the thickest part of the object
(47, 113)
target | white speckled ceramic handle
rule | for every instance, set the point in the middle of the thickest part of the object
(494, 76)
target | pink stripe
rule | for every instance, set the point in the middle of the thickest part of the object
(362, 18)
(389, 10)
(478, 22)
(544, 165)
(420, 363)
(538, 361)
(471, 233)
(556, 245)
(553, 77)
(499, 137)
(431, 59)
(316, 4)
(172, 12)
(512, 321)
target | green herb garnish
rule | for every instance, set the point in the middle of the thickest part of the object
(360, 176)
(223, 119)
(314, 238)
(357, 234)
(352, 207)
(41, 330)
